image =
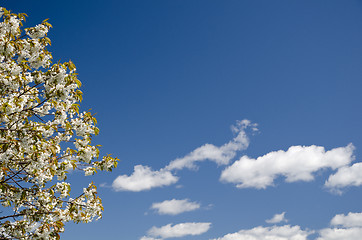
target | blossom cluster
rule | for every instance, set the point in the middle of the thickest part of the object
(39, 115)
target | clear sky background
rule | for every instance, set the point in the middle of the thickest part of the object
(166, 77)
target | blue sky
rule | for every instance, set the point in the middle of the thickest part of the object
(190, 81)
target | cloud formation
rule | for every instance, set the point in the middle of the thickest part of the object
(179, 230)
(340, 233)
(285, 232)
(351, 220)
(298, 163)
(143, 178)
(149, 238)
(345, 176)
(346, 227)
(174, 207)
(277, 218)
(220, 155)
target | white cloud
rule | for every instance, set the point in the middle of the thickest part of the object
(340, 233)
(346, 176)
(149, 238)
(348, 227)
(179, 230)
(143, 178)
(277, 218)
(285, 232)
(220, 155)
(298, 163)
(351, 220)
(174, 207)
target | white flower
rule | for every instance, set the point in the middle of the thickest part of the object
(88, 171)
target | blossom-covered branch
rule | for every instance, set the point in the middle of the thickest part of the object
(39, 110)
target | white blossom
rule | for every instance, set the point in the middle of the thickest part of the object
(39, 113)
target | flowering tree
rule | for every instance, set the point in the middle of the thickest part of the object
(42, 136)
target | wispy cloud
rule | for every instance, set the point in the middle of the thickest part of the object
(178, 230)
(298, 163)
(277, 218)
(285, 232)
(143, 178)
(220, 155)
(174, 206)
(149, 238)
(345, 176)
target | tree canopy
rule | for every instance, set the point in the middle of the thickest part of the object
(43, 136)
